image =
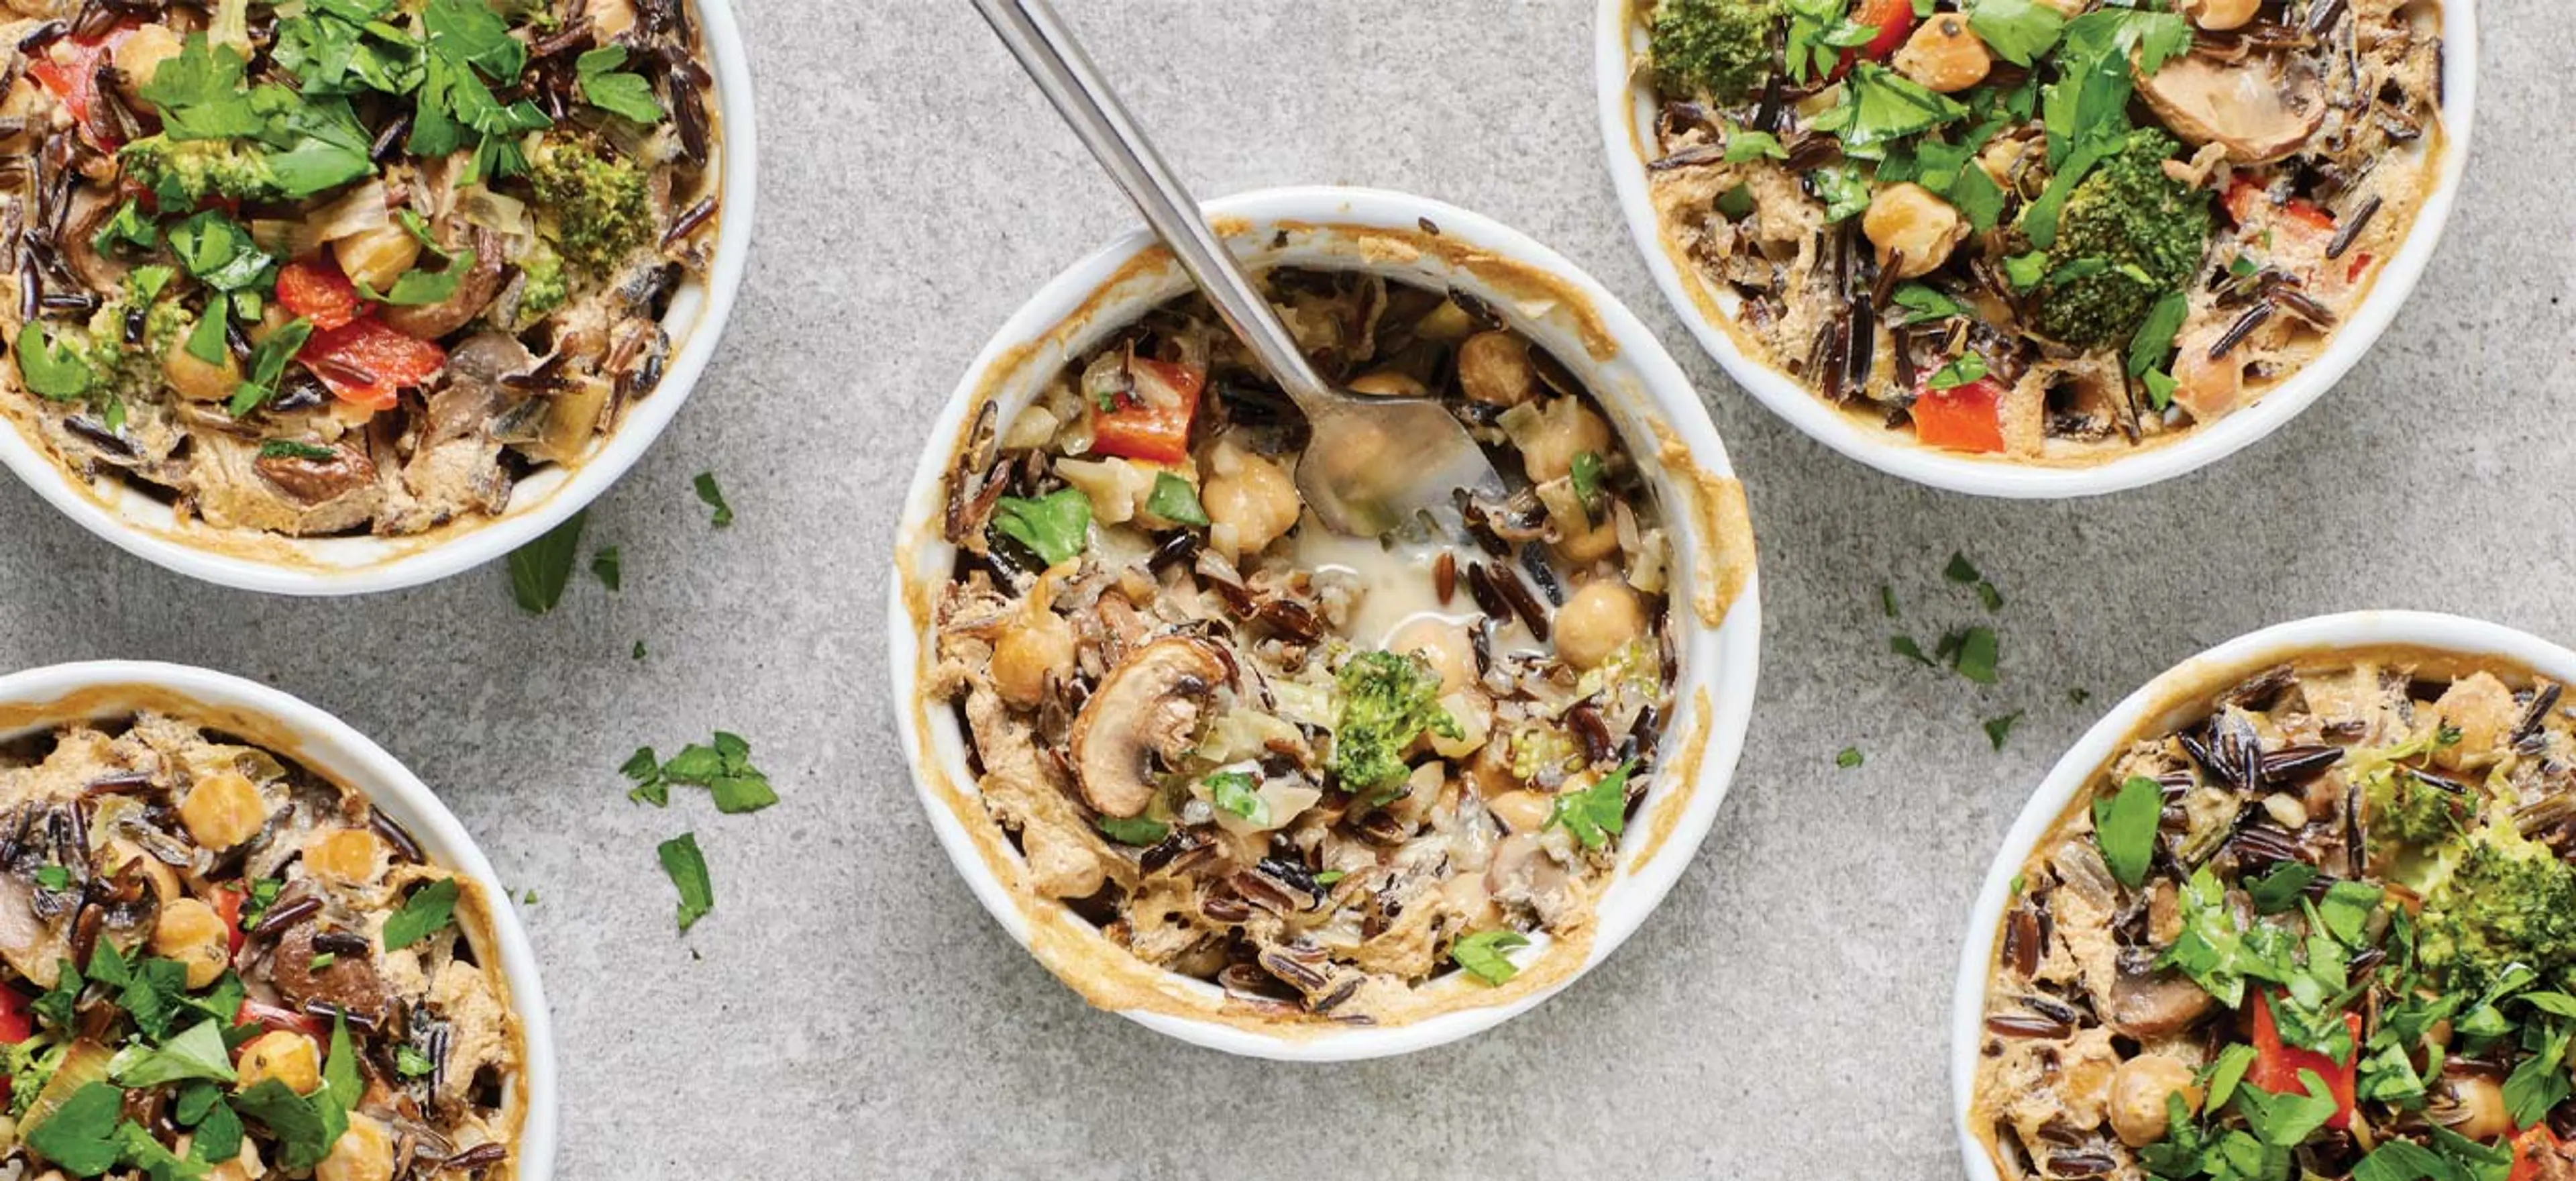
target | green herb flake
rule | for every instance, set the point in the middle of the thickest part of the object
(54, 878)
(428, 909)
(81, 1136)
(618, 92)
(1175, 500)
(296, 449)
(1849, 758)
(2124, 827)
(1978, 651)
(1234, 792)
(607, 566)
(1596, 813)
(2019, 31)
(1906, 647)
(1999, 730)
(1482, 955)
(1988, 595)
(1133, 830)
(714, 498)
(1964, 369)
(540, 569)
(1887, 600)
(1056, 527)
(687, 868)
(1960, 570)
(58, 374)
(411, 1063)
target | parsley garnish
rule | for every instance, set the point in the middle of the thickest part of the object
(1135, 830)
(2000, 729)
(1977, 653)
(1233, 791)
(2017, 30)
(540, 569)
(1056, 527)
(60, 375)
(1174, 500)
(615, 91)
(1596, 813)
(688, 872)
(1849, 758)
(1482, 955)
(1585, 473)
(2124, 826)
(723, 768)
(605, 566)
(714, 499)
(411, 1063)
(428, 909)
(54, 878)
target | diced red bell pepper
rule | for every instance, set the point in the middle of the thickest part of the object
(1894, 20)
(2245, 199)
(368, 364)
(318, 292)
(2360, 263)
(15, 1025)
(2528, 1148)
(1962, 418)
(1141, 427)
(273, 1019)
(2277, 1065)
(229, 901)
(69, 68)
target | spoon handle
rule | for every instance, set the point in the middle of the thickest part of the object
(1056, 62)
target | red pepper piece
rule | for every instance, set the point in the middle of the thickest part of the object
(368, 364)
(2277, 1064)
(1962, 418)
(2530, 1150)
(229, 901)
(1141, 427)
(1894, 20)
(318, 292)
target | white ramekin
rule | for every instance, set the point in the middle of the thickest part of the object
(270, 718)
(1627, 111)
(1652, 405)
(145, 527)
(2190, 682)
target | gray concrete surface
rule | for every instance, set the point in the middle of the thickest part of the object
(849, 1011)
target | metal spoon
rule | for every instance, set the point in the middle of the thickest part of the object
(1373, 462)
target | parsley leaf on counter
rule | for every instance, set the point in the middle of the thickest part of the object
(1961, 570)
(428, 909)
(1849, 758)
(608, 569)
(1998, 730)
(687, 869)
(539, 569)
(714, 498)
(1481, 954)
(1978, 650)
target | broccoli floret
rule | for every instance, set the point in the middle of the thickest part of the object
(2508, 901)
(183, 173)
(595, 206)
(1721, 48)
(2405, 809)
(2144, 233)
(546, 287)
(1387, 701)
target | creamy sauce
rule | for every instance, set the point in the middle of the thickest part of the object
(1398, 583)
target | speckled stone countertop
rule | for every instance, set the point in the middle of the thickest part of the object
(848, 1010)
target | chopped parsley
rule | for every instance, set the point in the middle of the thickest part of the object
(1482, 955)
(619, 92)
(2124, 827)
(714, 498)
(607, 567)
(687, 869)
(1174, 500)
(1596, 813)
(1133, 830)
(1233, 792)
(427, 910)
(1998, 730)
(1056, 527)
(723, 767)
(540, 569)
(1849, 758)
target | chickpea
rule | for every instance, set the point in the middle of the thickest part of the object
(1494, 368)
(1520, 811)
(1944, 56)
(377, 257)
(289, 1057)
(2138, 1090)
(1583, 541)
(190, 932)
(140, 55)
(1443, 645)
(164, 880)
(196, 380)
(1251, 497)
(1598, 621)
(222, 811)
(2472, 1105)
(1028, 654)
(1388, 383)
(2220, 15)
(351, 856)
(1566, 429)
(1913, 230)
(363, 1153)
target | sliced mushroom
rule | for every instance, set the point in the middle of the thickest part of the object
(2256, 109)
(91, 207)
(1150, 706)
(34, 947)
(2147, 1005)
(474, 292)
(316, 480)
(347, 981)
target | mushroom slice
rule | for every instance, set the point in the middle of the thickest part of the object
(2255, 109)
(2145, 1005)
(1151, 705)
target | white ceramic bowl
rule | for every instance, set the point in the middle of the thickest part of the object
(329, 747)
(1542, 295)
(145, 527)
(1627, 110)
(2189, 683)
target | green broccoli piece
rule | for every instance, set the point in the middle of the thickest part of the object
(2508, 901)
(2406, 810)
(1387, 701)
(546, 287)
(2131, 234)
(184, 173)
(595, 206)
(1720, 48)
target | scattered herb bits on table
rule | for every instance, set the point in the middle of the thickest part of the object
(346, 267)
(2322, 928)
(2049, 231)
(219, 964)
(1321, 772)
